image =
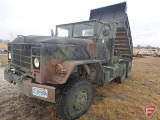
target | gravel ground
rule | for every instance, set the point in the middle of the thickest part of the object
(111, 102)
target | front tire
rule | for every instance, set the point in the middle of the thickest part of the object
(75, 98)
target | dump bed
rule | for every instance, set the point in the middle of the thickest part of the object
(117, 12)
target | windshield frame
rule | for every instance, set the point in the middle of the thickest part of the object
(94, 22)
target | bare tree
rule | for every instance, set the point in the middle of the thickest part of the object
(138, 46)
(148, 47)
(11, 35)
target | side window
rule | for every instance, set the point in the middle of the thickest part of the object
(88, 32)
(64, 30)
(101, 27)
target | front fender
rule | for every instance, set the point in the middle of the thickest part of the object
(69, 66)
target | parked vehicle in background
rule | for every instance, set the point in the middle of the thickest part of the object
(145, 53)
(156, 55)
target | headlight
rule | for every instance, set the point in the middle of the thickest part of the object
(9, 56)
(36, 62)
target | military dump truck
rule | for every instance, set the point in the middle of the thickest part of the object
(61, 68)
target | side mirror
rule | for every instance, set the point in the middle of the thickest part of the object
(105, 32)
(52, 33)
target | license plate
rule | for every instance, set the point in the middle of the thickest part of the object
(40, 92)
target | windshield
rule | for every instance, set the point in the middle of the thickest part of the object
(84, 29)
(64, 31)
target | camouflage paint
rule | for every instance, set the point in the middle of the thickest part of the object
(90, 53)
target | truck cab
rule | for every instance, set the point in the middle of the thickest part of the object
(86, 29)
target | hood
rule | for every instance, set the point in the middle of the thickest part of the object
(51, 40)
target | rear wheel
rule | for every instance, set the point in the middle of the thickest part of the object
(75, 98)
(128, 68)
(121, 78)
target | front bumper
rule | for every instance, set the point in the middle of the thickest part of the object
(25, 85)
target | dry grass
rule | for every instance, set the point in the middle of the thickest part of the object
(111, 102)
(4, 59)
(3, 46)
(126, 101)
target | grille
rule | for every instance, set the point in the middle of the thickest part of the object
(22, 55)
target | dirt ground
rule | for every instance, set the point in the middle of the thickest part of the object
(111, 102)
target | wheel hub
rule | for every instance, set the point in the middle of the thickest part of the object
(80, 100)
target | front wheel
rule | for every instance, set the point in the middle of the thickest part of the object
(75, 98)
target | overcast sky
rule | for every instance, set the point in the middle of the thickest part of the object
(37, 17)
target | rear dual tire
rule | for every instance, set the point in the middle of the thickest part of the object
(121, 78)
(126, 67)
